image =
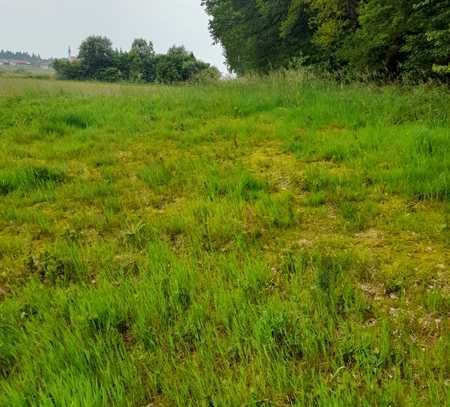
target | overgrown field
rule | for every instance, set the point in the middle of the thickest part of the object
(266, 242)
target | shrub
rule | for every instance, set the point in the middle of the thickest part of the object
(110, 74)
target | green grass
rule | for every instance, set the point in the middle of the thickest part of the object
(28, 178)
(262, 242)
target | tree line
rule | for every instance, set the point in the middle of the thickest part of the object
(20, 56)
(97, 60)
(379, 38)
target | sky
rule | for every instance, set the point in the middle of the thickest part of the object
(49, 27)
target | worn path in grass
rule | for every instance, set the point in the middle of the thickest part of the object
(269, 242)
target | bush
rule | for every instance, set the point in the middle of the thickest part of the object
(208, 75)
(68, 70)
(110, 74)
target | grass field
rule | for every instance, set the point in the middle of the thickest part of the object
(28, 72)
(268, 242)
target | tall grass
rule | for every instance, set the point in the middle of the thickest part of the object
(277, 241)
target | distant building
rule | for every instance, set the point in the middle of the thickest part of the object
(19, 63)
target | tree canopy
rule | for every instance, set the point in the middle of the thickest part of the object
(99, 61)
(376, 37)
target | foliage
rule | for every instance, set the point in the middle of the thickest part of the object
(71, 70)
(96, 54)
(206, 75)
(379, 37)
(110, 74)
(179, 65)
(259, 35)
(259, 242)
(403, 37)
(97, 60)
(142, 61)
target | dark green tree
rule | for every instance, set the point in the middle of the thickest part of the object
(382, 37)
(142, 49)
(142, 58)
(404, 37)
(178, 65)
(332, 22)
(96, 53)
(70, 70)
(260, 35)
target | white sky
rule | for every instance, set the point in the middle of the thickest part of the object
(48, 27)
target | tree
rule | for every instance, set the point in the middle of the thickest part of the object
(123, 62)
(404, 37)
(142, 49)
(383, 37)
(207, 75)
(96, 53)
(149, 69)
(333, 22)
(179, 65)
(110, 74)
(70, 70)
(260, 35)
(21, 56)
(142, 66)
(174, 66)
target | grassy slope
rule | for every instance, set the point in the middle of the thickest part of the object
(273, 242)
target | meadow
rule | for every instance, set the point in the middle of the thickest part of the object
(26, 72)
(279, 241)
